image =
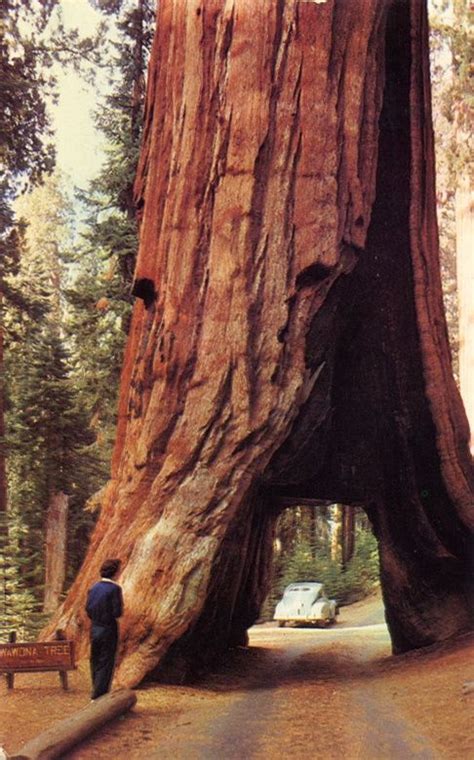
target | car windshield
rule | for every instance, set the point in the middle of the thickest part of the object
(315, 589)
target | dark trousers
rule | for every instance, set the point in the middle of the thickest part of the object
(103, 648)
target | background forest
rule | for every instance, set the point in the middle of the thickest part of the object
(66, 267)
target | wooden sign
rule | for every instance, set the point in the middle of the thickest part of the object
(45, 655)
(36, 657)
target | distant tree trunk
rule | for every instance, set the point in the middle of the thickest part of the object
(464, 205)
(336, 535)
(343, 534)
(290, 336)
(348, 534)
(55, 550)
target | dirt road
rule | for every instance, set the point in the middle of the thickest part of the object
(299, 693)
(307, 693)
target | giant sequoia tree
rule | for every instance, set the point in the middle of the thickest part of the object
(288, 337)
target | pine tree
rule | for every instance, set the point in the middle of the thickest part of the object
(48, 434)
(112, 221)
(18, 606)
(30, 290)
(25, 154)
(95, 334)
(28, 49)
(48, 442)
(100, 296)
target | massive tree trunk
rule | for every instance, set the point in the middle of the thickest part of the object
(289, 337)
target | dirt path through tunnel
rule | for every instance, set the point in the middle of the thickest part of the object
(311, 693)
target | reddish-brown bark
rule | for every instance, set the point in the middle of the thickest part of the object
(289, 336)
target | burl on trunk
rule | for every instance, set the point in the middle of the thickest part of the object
(288, 337)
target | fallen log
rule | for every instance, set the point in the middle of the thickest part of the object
(80, 725)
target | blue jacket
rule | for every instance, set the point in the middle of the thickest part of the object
(104, 603)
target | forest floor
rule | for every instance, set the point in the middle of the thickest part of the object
(333, 693)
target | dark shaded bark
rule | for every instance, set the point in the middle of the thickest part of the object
(295, 343)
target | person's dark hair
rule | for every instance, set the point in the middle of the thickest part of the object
(110, 568)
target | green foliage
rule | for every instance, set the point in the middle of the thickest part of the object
(99, 296)
(48, 437)
(452, 48)
(67, 302)
(25, 86)
(30, 43)
(95, 334)
(111, 224)
(19, 610)
(452, 51)
(26, 151)
(359, 578)
(50, 444)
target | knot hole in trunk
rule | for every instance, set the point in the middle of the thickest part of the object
(144, 289)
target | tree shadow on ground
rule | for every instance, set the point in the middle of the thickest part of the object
(260, 668)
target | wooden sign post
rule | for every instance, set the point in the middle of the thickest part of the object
(37, 657)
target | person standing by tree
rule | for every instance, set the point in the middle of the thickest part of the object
(104, 606)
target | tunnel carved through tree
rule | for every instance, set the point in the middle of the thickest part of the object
(295, 345)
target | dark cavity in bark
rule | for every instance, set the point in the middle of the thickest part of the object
(144, 288)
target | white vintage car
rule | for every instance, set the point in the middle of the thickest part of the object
(306, 603)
